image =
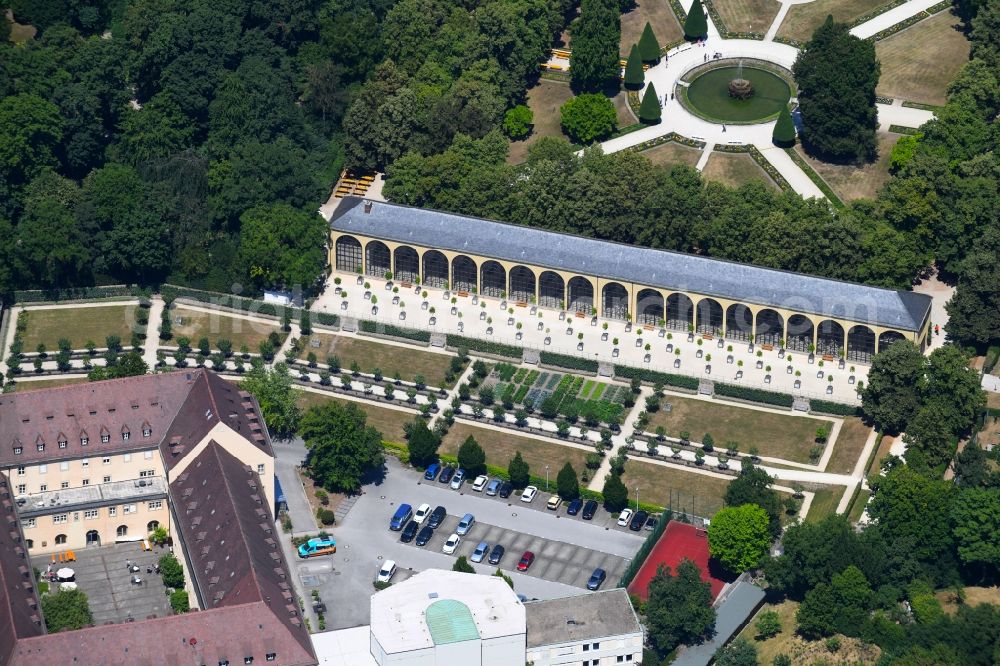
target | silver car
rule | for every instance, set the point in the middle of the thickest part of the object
(480, 552)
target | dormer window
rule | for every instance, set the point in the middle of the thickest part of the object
(125, 435)
(271, 656)
(147, 431)
(84, 440)
(105, 438)
(62, 442)
(17, 450)
(247, 660)
(40, 446)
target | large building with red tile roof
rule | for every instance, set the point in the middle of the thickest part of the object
(109, 461)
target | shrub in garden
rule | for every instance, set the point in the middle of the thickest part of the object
(171, 571)
(326, 516)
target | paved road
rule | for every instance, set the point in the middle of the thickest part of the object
(288, 454)
(891, 18)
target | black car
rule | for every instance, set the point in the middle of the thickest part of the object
(596, 579)
(589, 509)
(506, 489)
(424, 535)
(574, 507)
(446, 474)
(638, 520)
(496, 554)
(436, 517)
(409, 532)
(652, 523)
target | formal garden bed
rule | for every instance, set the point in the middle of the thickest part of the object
(802, 20)
(391, 360)
(197, 324)
(78, 324)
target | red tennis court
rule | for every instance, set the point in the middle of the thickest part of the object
(678, 542)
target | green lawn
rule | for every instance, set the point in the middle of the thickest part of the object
(747, 15)
(674, 487)
(853, 435)
(860, 502)
(735, 169)
(78, 325)
(389, 422)
(775, 435)
(408, 360)
(500, 447)
(671, 153)
(824, 503)
(216, 325)
(920, 62)
(802, 20)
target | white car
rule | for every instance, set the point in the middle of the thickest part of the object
(529, 494)
(451, 544)
(624, 517)
(387, 571)
(480, 483)
(423, 511)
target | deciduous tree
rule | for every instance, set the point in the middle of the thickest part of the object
(66, 610)
(341, 446)
(679, 608)
(738, 537)
(273, 391)
(588, 117)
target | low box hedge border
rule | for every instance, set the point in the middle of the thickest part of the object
(833, 408)
(754, 395)
(366, 326)
(652, 376)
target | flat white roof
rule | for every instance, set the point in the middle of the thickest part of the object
(398, 613)
(346, 647)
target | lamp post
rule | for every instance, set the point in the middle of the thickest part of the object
(546, 478)
(637, 498)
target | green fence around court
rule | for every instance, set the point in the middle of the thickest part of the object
(644, 550)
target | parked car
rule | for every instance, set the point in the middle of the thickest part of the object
(479, 485)
(554, 503)
(526, 560)
(387, 571)
(596, 579)
(423, 511)
(318, 546)
(432, 471)
(574, 507)
(409, 532)
(638, 520)
(493, 487)
(424, 535)
(446, 474)
(506, 488)
(480, 552)
(458, 479)
(624, 517)
(402, 516)
(437, 517)
(497, 554)
(590, 509)
(450, 544)
(529, 494)
(652, 522)
(465, 524)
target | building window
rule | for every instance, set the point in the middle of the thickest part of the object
(42, 488)
(595, 646)
(106, 461)
(85, 462)
(155, 505)
(40, 446)
(27, 523)
(86, 482)
(84, 441)
(122, 530)
(43, 469)
(146, 432)
(125, 435)
(247, 660)
(148, 455)
(30, 543)
(91, 514)
(105, 438)
(147, 473)
(63, 443)
(20, 470)
(64, 485)
(22, 488)
(586, 647)
(152, 526)
(129, 508)
(64, 466)
(60, 539)
(60, 518)
(112, 511)
(17, 450)
(127, 457)
(107, 479)
(271, 656)
(260, 468)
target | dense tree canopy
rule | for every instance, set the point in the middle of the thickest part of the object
(273, 390)
(739, 536)
(594, 62)
(342, 447)
(836, 75)
(679, 608)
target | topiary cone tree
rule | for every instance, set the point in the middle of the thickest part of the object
(649, 110)
(696, 24)
(649, 46)
(634, 76)
(784, 130)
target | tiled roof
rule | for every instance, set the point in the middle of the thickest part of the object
(228, 533)
(20, 615)
(674, 271)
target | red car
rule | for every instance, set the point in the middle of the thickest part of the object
(526, 561)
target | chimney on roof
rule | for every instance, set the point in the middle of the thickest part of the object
(368, 206)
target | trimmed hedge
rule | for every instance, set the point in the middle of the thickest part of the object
(835, 408)
(568, 362)
(83, 293)
(754, 395)
(395, 331)
(652, 376)
(484, 346)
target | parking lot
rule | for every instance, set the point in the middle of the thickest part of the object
(567, 549)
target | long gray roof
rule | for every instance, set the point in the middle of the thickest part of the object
(580, 618)
(675, 271)
(731, 615)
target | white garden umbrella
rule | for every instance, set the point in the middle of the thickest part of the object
(65, 574)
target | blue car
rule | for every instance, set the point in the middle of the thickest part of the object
(401, 517)
(318, 546)
(480, 552)
(596, 579)
(574, 507)
(432, 471)
(493, 487)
